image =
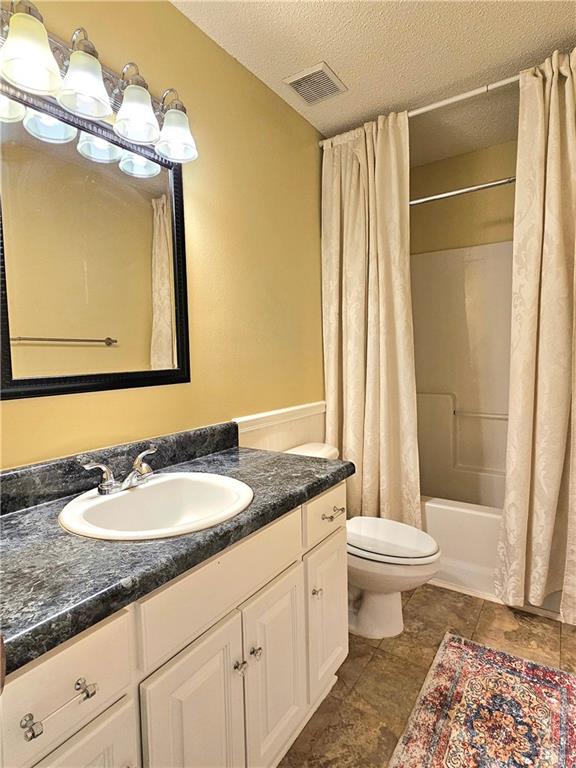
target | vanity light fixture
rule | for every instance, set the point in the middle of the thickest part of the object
(176, 142)
(26, 59)
(136, 121)
(10, 111)
(97, 149)
(138, 165)
(48, 128)
(83, 92)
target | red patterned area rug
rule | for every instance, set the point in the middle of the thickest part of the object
(481, 708)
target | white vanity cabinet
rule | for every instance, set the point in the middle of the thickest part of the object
(220, 668)
(247, 676)
(44, 703)
(193, 706)
(276, 676)
(326, 582)
(110, 741)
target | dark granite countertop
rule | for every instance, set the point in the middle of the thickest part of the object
(55, 584)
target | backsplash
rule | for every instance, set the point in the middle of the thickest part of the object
(37, 483)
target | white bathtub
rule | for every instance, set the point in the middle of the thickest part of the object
(468, 537)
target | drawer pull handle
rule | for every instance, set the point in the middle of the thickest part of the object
(317, 592)
(336, 512)
(257, 653)
(241, 667)
(35, 728)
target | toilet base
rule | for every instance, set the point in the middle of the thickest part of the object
(375, 615)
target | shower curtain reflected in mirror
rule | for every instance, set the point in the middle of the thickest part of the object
(163, 338)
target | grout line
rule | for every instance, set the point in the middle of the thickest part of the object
(473, 637)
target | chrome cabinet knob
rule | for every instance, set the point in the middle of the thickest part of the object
(317, 592)
(86, 689)
(31, 729)
(241, 667)
(257, 653)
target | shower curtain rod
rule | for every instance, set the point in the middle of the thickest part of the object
(464, 96)
(455, 99)
(464, 190)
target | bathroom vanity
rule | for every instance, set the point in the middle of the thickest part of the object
(218, 646)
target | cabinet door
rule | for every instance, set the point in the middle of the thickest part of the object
(275, 681)
(193, 706)
(110, 741)
(327, 606)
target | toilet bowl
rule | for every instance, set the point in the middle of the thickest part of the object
(385, 558)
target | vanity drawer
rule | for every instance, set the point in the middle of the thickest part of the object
(181, 610)
(47, 689)
(109, 741)
(323, 515)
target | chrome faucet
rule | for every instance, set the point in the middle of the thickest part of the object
(141, 471)
(108, 484)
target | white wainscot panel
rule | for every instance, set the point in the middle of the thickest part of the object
(284, 428)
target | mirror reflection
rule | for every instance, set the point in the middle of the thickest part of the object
(87, 229)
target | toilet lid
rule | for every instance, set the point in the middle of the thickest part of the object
(387, 537)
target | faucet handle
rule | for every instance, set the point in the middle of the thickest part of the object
(108, 483)
(141, 466)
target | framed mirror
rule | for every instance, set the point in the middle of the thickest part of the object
(92, 257)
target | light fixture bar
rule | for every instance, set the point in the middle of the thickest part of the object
(62, 51)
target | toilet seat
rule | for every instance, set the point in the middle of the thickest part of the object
(387, 541)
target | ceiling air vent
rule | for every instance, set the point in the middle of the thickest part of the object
(316, 84)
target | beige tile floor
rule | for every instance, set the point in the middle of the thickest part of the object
(359, 723)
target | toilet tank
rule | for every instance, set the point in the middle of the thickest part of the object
(317, 450)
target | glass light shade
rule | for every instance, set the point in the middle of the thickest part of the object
(176, 141)
(10, 111)
(136, 120)
(138, 166)
(97, 149)
(48, 128)
(26, 60)
(83, 92)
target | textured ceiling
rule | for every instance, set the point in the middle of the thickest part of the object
(395, 55)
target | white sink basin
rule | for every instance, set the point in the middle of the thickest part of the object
(165, 505)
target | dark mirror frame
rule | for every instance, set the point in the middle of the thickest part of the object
(12, 388)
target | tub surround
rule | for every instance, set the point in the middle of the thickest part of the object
(55, 584)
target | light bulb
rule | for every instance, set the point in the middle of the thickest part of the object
(176, 142)
(97, 149)
(26, 60)
(138, 166)
(48, 128)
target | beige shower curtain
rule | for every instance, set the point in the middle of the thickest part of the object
(163, 340)
(537, 551)
(368, 337)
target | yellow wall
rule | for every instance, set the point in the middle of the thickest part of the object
(474, 219)
(253, 245)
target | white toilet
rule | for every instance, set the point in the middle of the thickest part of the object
(385, 558)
